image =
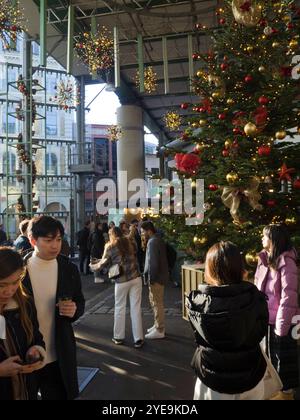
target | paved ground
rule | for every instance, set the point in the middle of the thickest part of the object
(160, 370)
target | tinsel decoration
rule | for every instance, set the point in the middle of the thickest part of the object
(173, 120)
(247, 13)
(11, 23)
(115, 133)
(96, 50)
(67, 96)
(24, 157)
(150, 79)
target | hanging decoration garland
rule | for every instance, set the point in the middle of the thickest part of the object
(115, 133)
(173, 120)
(24, 157)
(150, 80)
(11, 23)
(96, 50)
(247, 13)
(66, 95)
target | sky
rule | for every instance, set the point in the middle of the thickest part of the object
(103, 109)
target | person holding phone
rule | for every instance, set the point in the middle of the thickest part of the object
(55, 284)
(22, 349)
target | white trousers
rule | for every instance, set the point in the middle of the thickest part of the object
(202, 392)
(133, 288)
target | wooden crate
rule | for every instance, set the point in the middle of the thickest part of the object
(192, 277)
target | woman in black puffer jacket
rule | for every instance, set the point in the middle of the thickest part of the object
(229, 317)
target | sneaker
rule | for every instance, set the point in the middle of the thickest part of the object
(151, 329)
(138, 344)
(155, 335)
(117, 341)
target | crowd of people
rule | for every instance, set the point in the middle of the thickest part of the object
(242, 328)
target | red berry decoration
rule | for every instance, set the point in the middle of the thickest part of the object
(264, 151)
(248, 78)
(213, 187)
(263, 100)
(271, 203)
(184, 106)
(225, 153)
(296, 184)
(222, 21)
(222, 116)
(224, 66)
(196, 56)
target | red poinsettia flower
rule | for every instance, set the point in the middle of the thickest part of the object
(188, 163)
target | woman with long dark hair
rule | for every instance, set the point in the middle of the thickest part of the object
(121, 251)
(277, 276)
(21, 343)
(229, 317)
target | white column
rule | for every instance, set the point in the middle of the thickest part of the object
(131, 154)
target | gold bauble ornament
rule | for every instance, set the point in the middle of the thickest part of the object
(228, 143)
(248, 18)
(250, 49)
(280, 135)
(230, 101)
(275, 44)
(232, 177)
(294, 44)
(261, 69)
(202, 123)
(291, 221)
(250, 129)
(251, 258)
(202, 240)
(200, 73)
(216, 95)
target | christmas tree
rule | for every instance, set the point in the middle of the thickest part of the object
(245, 129)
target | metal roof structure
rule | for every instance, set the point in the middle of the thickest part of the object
(153, 19)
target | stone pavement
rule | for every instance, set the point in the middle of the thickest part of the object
(160, 370)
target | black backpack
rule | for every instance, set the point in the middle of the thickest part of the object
(171, 256)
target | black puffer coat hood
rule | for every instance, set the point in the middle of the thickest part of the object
(229, 323)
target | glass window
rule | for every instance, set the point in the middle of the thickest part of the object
(51, 164)
(102, 156)
(11, 163)
(51, 124)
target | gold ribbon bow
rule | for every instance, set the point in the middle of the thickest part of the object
(231, 198)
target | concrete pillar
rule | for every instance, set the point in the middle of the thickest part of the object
(130, 150)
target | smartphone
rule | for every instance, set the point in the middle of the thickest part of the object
(30, 362)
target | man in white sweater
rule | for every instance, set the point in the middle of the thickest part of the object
(55, 284)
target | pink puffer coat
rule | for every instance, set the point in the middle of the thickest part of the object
(281, 287)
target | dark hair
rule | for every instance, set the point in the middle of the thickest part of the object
(43, 226)
(105, 227)
(225, 263)
(134, 222)
(87, 223)
(123, 244)
(280, 242)
(10, 262)
(23, 226)
(148, 226)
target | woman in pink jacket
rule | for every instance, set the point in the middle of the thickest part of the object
(277, 277)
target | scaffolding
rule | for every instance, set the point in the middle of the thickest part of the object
(27, 179)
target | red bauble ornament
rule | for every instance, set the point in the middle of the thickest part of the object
(225, 153)
(184, 106)
(248, 78)
(224, 66)
(14, 28)
(196, 56)
(263, 100)
(290, 25)
(237, 131)
(213, 187)
(296, 184)
(201, 109)
(222, 116)
(271, 203)
(222, 21)
(264, 151)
